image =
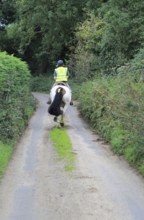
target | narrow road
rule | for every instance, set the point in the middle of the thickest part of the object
(36, 187)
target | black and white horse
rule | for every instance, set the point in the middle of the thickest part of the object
(60, 97)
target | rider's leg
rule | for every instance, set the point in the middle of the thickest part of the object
(71, 102)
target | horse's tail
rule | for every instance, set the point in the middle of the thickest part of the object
(54, 108)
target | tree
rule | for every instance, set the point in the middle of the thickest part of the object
(124, 33)
(46, 29)
(7, 17)
(86, 54)
(7, 12)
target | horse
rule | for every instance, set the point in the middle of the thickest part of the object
(60, 96)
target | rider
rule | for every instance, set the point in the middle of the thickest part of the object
(61, 74)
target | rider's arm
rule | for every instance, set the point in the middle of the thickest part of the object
(55, 74)
(67, 73)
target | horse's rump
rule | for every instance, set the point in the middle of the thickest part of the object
(60, 97)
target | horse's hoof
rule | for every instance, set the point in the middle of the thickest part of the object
(55, 118)
(61, 124)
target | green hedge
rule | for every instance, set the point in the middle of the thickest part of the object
(16, 102)
(115, 108)
(41, 83)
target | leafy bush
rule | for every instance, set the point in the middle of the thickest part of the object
(16, 102)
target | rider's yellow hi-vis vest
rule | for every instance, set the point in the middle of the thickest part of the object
(61, 74)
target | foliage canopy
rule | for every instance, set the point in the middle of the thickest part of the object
(110, 32)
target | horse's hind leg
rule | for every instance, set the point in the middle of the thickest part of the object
(55, 119)
(62, 121)
(62, 124)
(62, 116)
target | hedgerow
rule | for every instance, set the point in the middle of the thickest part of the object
(114, 106)
(41, 83)
(16, 102)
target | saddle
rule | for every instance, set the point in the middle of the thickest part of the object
(61, 84)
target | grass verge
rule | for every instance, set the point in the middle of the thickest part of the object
(5, 155)
(63, 146)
